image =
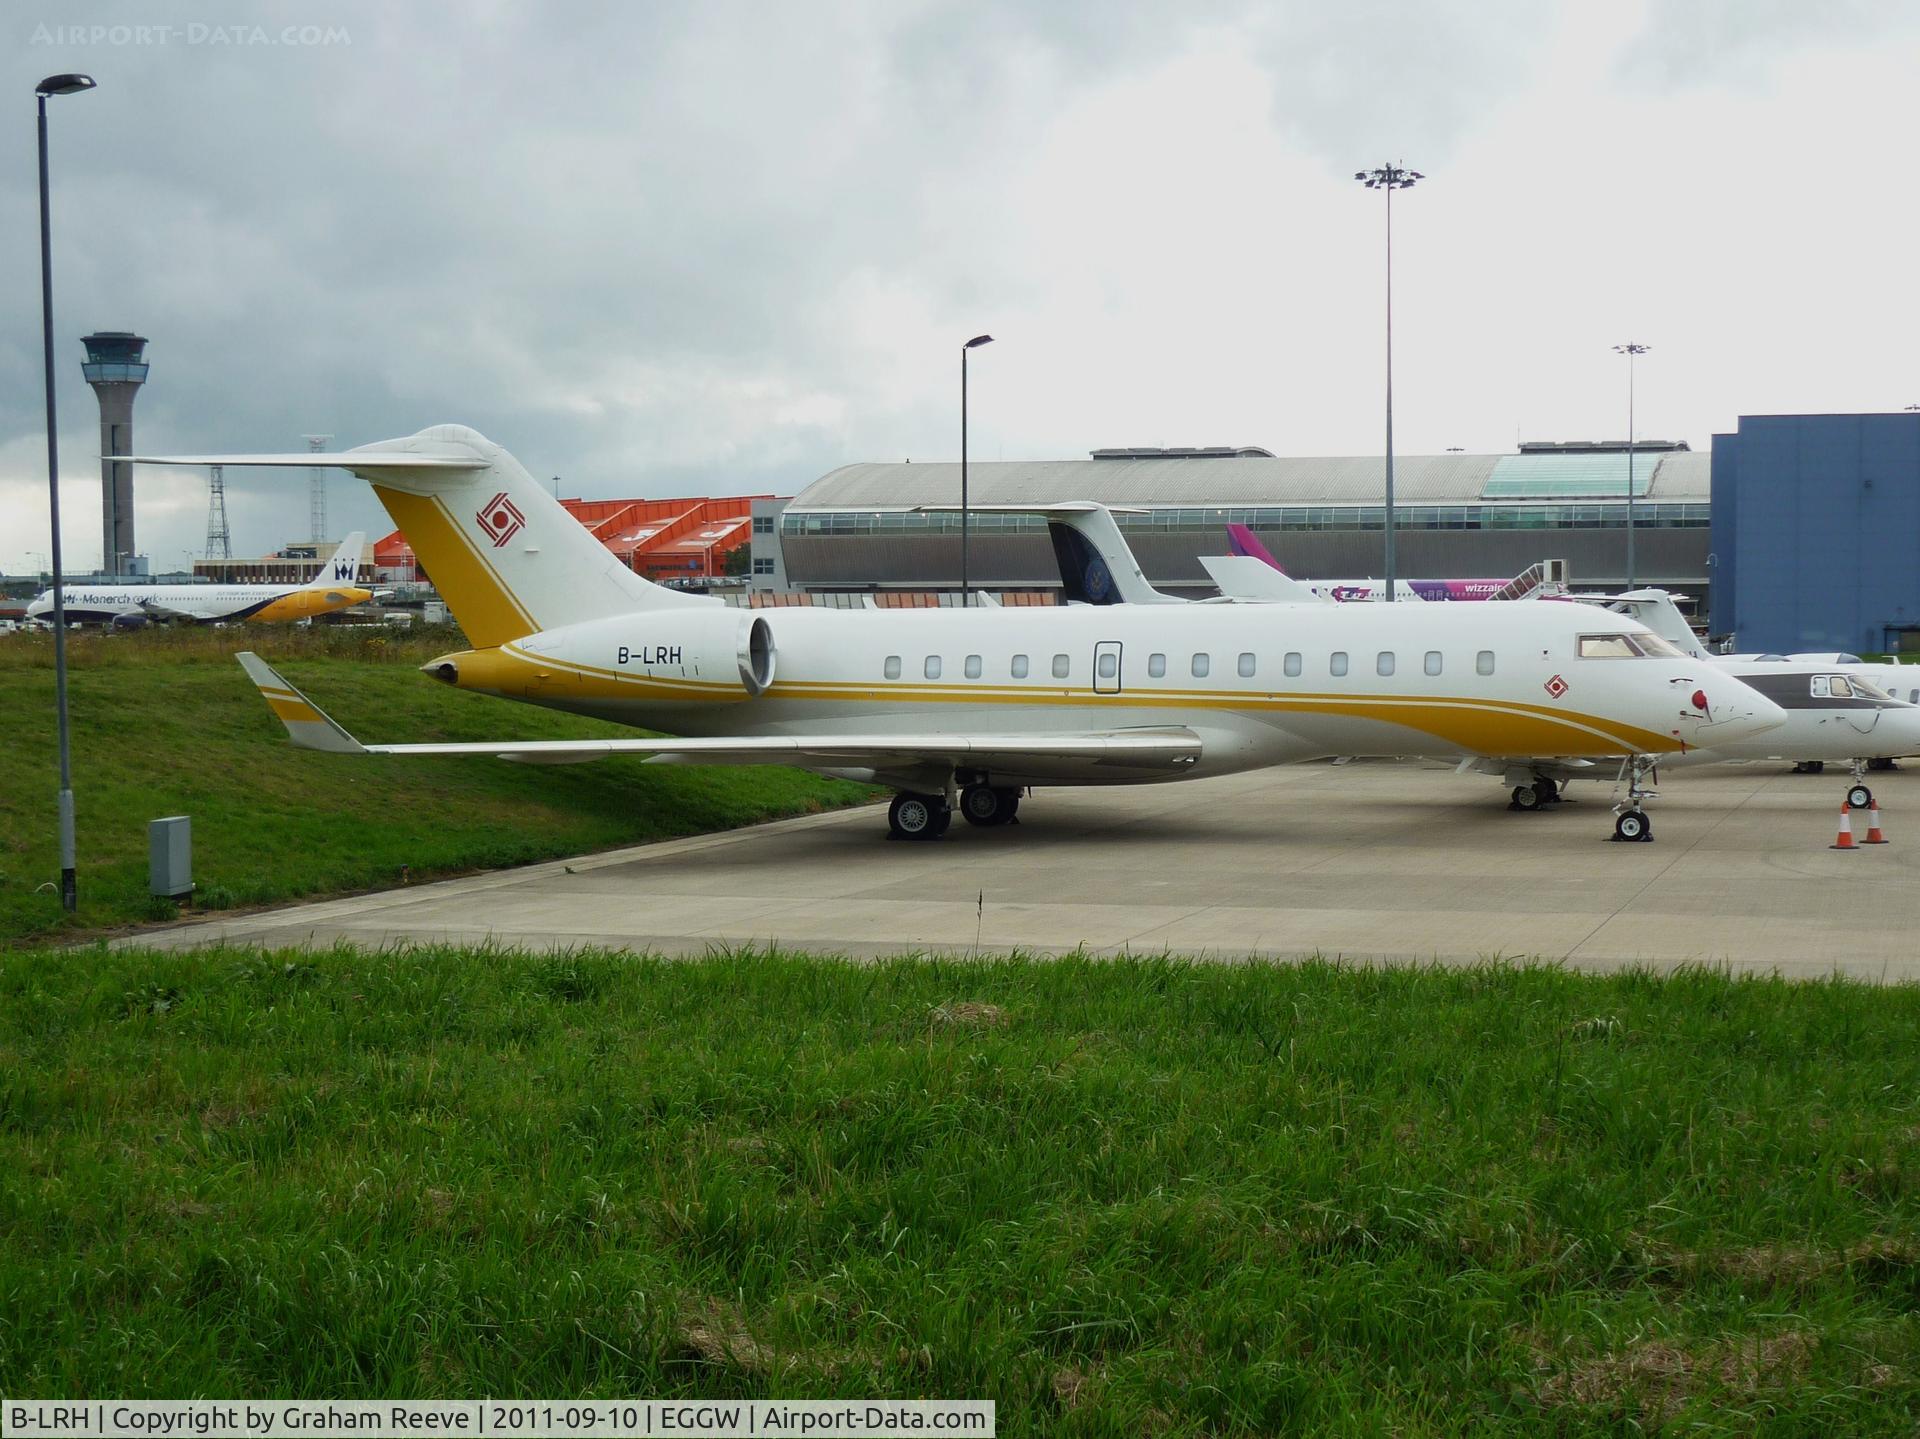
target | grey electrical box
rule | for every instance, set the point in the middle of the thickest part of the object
(170, 856)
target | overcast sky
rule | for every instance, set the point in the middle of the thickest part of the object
(726, 247)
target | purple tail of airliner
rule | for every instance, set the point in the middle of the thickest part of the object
(1242, 542)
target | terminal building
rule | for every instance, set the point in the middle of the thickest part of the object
(861, 527)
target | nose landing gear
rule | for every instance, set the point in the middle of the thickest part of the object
(1630, 822)
(1858, 795)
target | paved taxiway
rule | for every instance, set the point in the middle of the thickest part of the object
(1367, 861)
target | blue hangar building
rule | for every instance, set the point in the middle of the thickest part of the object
(1815, 541)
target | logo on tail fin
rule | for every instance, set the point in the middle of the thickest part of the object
(501, 519)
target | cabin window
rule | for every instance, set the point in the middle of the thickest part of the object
(1201, 664)
(1337, 663)
(1483, 663)
(1607, 647)
(1061, 667)
(1246, 666)
(1913, 697)
(1019, 667)
(973, 667)
(1292, 663)
(892, 667)
(1384, 663)
(1156, 666)
(933, 667)
(1107, 664)
(1433, 662)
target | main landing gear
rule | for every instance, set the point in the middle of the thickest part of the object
(1630, 822)
(918, 816)
(926, 816)
(1536, 793)
(986, 806)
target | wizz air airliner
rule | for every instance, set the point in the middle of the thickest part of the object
(968, 709)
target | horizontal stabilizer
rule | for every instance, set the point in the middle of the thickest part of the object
(1248, 580)
(350, 460)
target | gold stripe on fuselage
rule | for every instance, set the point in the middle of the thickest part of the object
(1482, 725)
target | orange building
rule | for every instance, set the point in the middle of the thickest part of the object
(686, 539)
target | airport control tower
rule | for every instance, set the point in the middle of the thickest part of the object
(116, 372)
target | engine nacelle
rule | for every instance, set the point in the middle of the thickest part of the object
(699, 654)
(129, 622)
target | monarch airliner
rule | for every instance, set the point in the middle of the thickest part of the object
(332, 588)
(967, 709)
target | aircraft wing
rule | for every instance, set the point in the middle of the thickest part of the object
(158, 611)
(1163, 750)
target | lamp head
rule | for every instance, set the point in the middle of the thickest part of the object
(64, 85)
(977, 341)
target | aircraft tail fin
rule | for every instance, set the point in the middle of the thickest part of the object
(1242, 541)
(1097, 565)
(343, 566)
(504, 553)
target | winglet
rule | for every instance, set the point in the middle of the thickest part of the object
(307, 725)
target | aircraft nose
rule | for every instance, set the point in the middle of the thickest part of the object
(1736, 711)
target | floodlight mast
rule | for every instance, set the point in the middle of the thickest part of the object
(69, 882)
(966, 592)
(1389, 178)
(1630, 350)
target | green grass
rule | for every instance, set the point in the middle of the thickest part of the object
(1119, 1198)
(165, 722)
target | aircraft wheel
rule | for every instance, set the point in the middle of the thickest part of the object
(1881, 764)
(916, 816)
(1526, 796)
(1632, 826)
(1549, 791)
(1860, 797)
(984, 806)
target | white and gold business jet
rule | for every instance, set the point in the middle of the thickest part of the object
(968, 708)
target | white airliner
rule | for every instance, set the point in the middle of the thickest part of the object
(333, 588)
(967, 708)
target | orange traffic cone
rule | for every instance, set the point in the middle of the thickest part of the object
(1845, 840)
(1873, 825)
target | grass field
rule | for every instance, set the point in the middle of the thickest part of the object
(1119, 1198)
(165, 722)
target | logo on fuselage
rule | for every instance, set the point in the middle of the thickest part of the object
(501, 519)
(1556, 687)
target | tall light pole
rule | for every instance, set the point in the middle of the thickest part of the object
(966, 593)
(1630, 350)
(1389, 178)
(69, 882)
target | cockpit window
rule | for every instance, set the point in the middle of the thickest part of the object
(1652, 644)
(1607, 647)
(1832, 687)
(1868, 690)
